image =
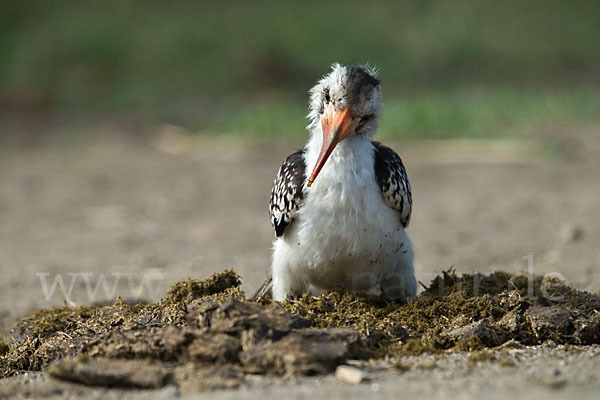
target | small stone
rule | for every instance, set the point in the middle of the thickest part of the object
(170, 391)
(351, 375)
(571, 233)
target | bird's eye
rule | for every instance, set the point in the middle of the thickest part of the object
(326, 94)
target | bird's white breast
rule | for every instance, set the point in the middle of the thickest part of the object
(344, 231)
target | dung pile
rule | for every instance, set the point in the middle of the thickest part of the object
(464, 313)
(206, 335)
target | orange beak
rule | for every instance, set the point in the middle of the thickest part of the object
(337, 126)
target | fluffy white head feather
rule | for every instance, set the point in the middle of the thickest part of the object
(356, 87)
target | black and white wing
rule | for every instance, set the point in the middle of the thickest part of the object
(393, 181)
(286, 195)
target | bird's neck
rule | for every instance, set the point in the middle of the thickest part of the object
(353, 153)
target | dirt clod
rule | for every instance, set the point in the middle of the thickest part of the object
(111, 372)
(299, 353)
(553, 322)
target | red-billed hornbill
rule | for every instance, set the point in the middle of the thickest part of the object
(341, 205)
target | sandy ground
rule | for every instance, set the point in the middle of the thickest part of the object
(119, 214)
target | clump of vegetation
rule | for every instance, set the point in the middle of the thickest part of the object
(48, 335)
(207, 335)
(187, 291)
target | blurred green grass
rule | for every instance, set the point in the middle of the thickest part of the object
(477, 113)
(471, 68)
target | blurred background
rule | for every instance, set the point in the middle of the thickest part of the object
(450, 69)
(142, 137)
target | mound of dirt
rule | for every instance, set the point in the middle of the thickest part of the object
(205, 334)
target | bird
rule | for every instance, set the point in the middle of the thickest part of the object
(340, 206)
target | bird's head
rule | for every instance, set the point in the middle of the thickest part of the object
(345, 102)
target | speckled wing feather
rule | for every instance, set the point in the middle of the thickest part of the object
(287, 196)
(393, 181)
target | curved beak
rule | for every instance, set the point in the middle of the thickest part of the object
(337, 126)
